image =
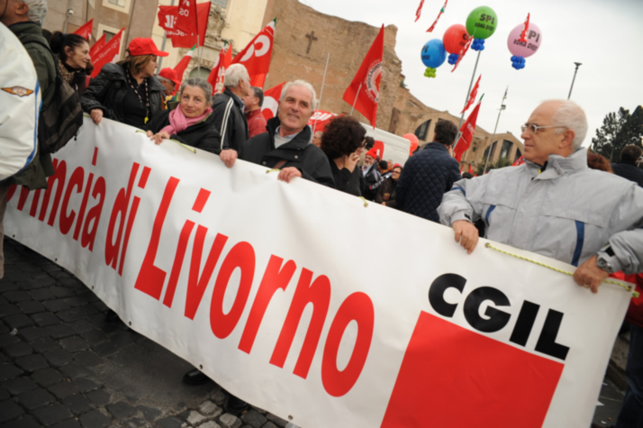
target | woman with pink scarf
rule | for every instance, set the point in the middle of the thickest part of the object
(192, 122)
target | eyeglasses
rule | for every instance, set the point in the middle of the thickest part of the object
(395, 172)
(535, 128)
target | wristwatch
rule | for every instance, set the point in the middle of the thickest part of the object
(602, 263)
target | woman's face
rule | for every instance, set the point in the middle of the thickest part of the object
(78, 57)
(193, 101)
(149, 68)
(395, 174)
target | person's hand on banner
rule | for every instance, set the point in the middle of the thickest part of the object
(589, 275)
(288, 174)
(158, 138)
(228, 156)
(97, 115)
(466, 234)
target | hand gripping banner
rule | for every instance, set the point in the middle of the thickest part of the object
(283, 295)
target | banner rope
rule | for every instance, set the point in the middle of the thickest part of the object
(635, 294)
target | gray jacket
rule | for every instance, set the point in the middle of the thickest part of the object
(568, 211)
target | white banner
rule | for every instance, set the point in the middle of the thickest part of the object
(304, 302)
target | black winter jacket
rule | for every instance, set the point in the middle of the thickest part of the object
(426, 176)
(234, 130)
(346, 181)
(202, 135)
(107, 90)
(629, 172)
(299, 153)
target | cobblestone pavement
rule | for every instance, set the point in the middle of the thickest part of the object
(63, 365)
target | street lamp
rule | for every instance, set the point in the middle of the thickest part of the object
(578, 64)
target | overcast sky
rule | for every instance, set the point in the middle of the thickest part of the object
(602, 35)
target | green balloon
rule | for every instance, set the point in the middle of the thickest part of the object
(482, 22)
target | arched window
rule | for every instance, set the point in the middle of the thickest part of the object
(422, 130)
(518, 154)
(489, 149)
(204, 73)
(506, 149)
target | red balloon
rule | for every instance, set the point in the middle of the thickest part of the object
(455, 38)
(413, 139)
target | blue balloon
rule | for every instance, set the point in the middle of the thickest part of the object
(477, 45)
(433, 53)
(453, 58)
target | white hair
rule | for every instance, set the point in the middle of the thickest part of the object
(37, 10)
(571, 116)
(304, 84)
(234, 75)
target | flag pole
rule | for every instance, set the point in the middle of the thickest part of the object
(502, 107)
(198, 64)
(473, 76)
(355, 102)
(321, 92)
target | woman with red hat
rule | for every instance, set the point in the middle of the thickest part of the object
(127, 91)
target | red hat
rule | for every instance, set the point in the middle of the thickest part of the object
(170, 74)
(372, 153)
(144, 46)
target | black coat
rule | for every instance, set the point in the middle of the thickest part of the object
(629, 172)
(108, 89)
(388, 186)
(299, 153)
(426, 176)
(202, 135)
(346, 181)
(230, 120)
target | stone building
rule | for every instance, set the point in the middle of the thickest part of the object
(136, 16)
(304, 38)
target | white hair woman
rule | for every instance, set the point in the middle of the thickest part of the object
(192, 122)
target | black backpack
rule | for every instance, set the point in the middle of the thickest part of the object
(62, 119)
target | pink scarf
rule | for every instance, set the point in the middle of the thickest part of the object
(178, 121)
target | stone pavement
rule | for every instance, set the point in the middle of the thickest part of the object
(63, 365)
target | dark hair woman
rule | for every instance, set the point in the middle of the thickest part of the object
(386, 191)
(192, 122)
(342, 142)
(127, 91)
(74, 63)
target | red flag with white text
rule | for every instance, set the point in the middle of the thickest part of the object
(519, 161)
(96, 47)
(256, 55)
(85, 30)
(107, 53)
(217, 74)
(472, 95)
(180, 68)
(168, 18)
(271, 98)
(467, 131)
(364, 90)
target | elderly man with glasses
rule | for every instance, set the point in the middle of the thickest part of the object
(554, 204)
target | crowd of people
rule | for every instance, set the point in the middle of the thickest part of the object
(563, 202)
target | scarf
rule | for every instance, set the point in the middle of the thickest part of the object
(178, 121)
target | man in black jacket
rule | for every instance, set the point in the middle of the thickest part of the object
(428, 174)
(286, 145)
(627, 168)
(228, 112)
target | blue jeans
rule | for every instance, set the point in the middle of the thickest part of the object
(631, 415)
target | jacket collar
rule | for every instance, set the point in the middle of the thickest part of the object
(299, 142)
(253, 113)
(26, 27)
(436, 146)
(558, 165)
(236, 98)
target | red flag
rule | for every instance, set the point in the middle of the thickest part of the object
(97, 47)
(472, 95)
(180, 68)
(419, 11)
(471, 168)
(271, 99)
(432, 27)
(462, 53)
(467, 131)
(168, 17)
(217, 74)
(320, 119)
(519, 161)
(364, 90)
(523, 35)
(256, 56)
(85, 30)
(107, 53)
(186, 21)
